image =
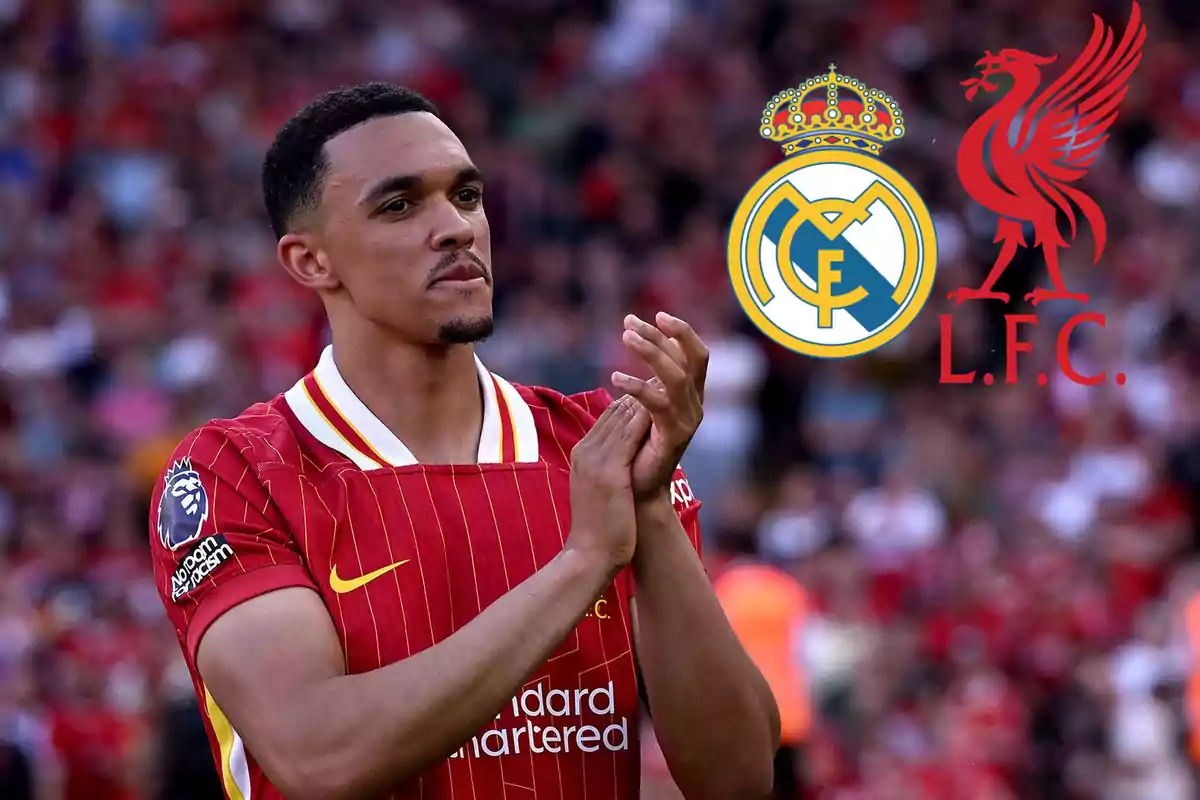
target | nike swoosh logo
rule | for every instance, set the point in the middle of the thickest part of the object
(342, 586)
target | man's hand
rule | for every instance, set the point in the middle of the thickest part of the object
(603, 519)
(674, 396)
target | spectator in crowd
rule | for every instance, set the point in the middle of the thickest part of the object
(993, 576)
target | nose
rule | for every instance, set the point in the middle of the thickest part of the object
(452, 229)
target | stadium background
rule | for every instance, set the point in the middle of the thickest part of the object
(994, 574)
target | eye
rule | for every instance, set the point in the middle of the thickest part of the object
(398, 205)
(469, 195)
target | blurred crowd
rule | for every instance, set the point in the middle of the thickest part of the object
(981, 586)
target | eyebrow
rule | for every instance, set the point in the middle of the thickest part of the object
(407, 183)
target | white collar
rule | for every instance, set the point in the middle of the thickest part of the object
(331, 412)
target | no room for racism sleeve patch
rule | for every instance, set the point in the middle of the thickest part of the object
(200, 562)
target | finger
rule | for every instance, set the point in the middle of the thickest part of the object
(612, 419)
(634, 433)
(584, 418)
(671, 372)
(623, 409)
(672, 420)
(601, 422)
(650, 394)
(689, 341)
(693, 347)
(656, 337)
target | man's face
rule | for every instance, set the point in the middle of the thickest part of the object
(402, 226)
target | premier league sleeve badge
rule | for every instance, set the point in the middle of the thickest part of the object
(183, 507)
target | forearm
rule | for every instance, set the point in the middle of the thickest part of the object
(360, 735)
(714, 715)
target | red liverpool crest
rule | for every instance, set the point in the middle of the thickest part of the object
(1024, 157)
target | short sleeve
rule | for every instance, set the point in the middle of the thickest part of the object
(215, 538)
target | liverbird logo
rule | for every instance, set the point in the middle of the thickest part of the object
(1039, 143)
(1023, 159)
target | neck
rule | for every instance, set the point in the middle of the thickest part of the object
(428, 396)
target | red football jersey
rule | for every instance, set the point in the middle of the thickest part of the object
(311, 489)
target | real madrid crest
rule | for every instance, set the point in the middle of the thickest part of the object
(832, 253)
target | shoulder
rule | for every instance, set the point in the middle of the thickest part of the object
(230, 452)
(586, 406)
(564, 417)
(258, 437)
(561, 420)
(216, 470)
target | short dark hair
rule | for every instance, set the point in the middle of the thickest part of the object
(295, 163)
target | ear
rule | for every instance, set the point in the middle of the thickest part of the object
(305, 262)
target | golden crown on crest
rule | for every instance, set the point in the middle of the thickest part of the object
(832, 110)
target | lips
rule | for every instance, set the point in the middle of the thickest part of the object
(464, 270)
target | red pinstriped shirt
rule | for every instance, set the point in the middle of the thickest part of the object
(312, 490)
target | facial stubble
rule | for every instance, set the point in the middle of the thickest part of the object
(466, 330)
